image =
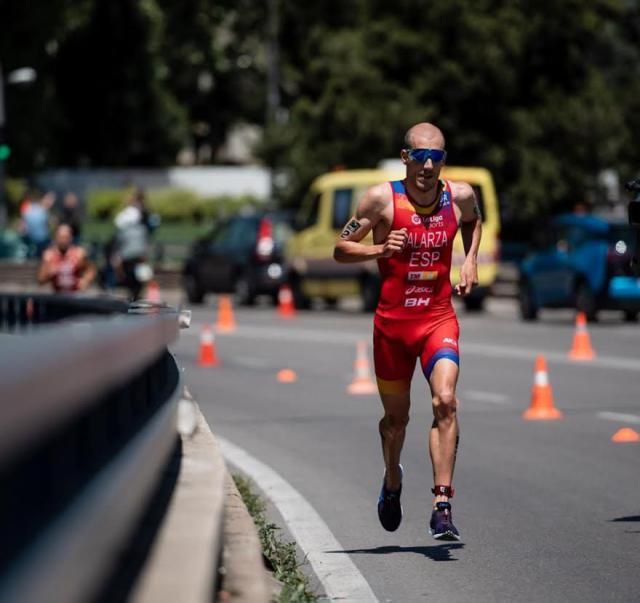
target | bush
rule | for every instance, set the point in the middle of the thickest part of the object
(15, 190)
(171, 204)
(174, 205)
(103, 204)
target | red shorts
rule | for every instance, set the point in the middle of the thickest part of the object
(397, 344)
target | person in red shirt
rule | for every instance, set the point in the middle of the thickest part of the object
(64, 265)
(414, 222)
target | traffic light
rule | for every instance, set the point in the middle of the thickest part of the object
(5, 152)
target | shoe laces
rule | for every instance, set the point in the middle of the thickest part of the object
(390, 495)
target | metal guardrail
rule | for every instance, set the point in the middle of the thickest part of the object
(87, 423)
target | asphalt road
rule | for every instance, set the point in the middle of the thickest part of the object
(549, 511)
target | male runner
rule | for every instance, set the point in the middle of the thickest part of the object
(414, 222)
(65, 265)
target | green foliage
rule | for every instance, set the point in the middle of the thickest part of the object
(174, 205)
(545, 94)
(281, 555)
(171, 204)
(15, 189)
(104, 203)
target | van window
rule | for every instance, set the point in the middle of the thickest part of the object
(341, 207)
(308, 216)
(478, 191)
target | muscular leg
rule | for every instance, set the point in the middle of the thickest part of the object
(392, 431)
(443, 435)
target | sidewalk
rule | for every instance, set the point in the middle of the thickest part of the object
(207, 539)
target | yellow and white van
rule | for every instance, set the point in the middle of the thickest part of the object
(331, 201)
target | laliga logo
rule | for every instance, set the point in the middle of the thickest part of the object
(416, 219)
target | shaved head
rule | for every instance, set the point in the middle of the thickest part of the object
(424, 136)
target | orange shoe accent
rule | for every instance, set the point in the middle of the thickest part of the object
(287, 376)
(226, 322)
(362, 383)
(286, 307)
(208, 356)
(626, 434)
(153, 292)
(542, 407)
(581, 348)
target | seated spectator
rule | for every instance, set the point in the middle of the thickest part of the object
(65, 265)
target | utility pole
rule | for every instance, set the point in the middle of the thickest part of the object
(273, 78)
(273, 60)
(3, 203)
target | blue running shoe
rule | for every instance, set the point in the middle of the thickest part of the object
(389, 507)
(441, 526)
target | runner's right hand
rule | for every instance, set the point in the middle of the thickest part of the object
(394, 243)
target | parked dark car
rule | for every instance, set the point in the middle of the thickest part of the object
(242, 255)
(581, 262)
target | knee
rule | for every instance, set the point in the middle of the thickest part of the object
(393, 425)
(445, 405)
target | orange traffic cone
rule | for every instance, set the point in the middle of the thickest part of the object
(624, 435)
(581, 348)
(287, 376)
(208, 356)
(542, 407)
(153, 292)
(226, 322)
(362, 383)
(286, 307)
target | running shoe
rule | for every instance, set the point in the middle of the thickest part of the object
(389, 507)
(441, 526)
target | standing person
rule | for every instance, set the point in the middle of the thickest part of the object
(414, 222)
(65, 265)
(71, 214)
(35, 224)
(131, 247)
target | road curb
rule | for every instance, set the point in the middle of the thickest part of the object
(244, 576)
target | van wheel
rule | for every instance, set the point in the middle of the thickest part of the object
(586, 302)
(528, 308)
(370, 293)
(300, 300)
(630, 316)
(474, 303)
(331, 302)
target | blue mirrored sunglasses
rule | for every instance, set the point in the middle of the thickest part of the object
(422, 155)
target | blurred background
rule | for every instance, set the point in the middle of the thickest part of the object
(213, 106)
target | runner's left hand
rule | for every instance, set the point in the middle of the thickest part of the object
(468, 278)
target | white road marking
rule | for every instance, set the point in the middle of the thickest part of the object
(619, 417)
(470, 348)
(250, 362)
(490, 397)
(339, 576)
(508, 351)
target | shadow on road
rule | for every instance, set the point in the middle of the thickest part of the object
(436, 553)
(629, 518)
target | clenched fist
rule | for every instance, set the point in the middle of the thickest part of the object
(394, 243)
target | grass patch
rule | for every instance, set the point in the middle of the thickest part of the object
(281, 555)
